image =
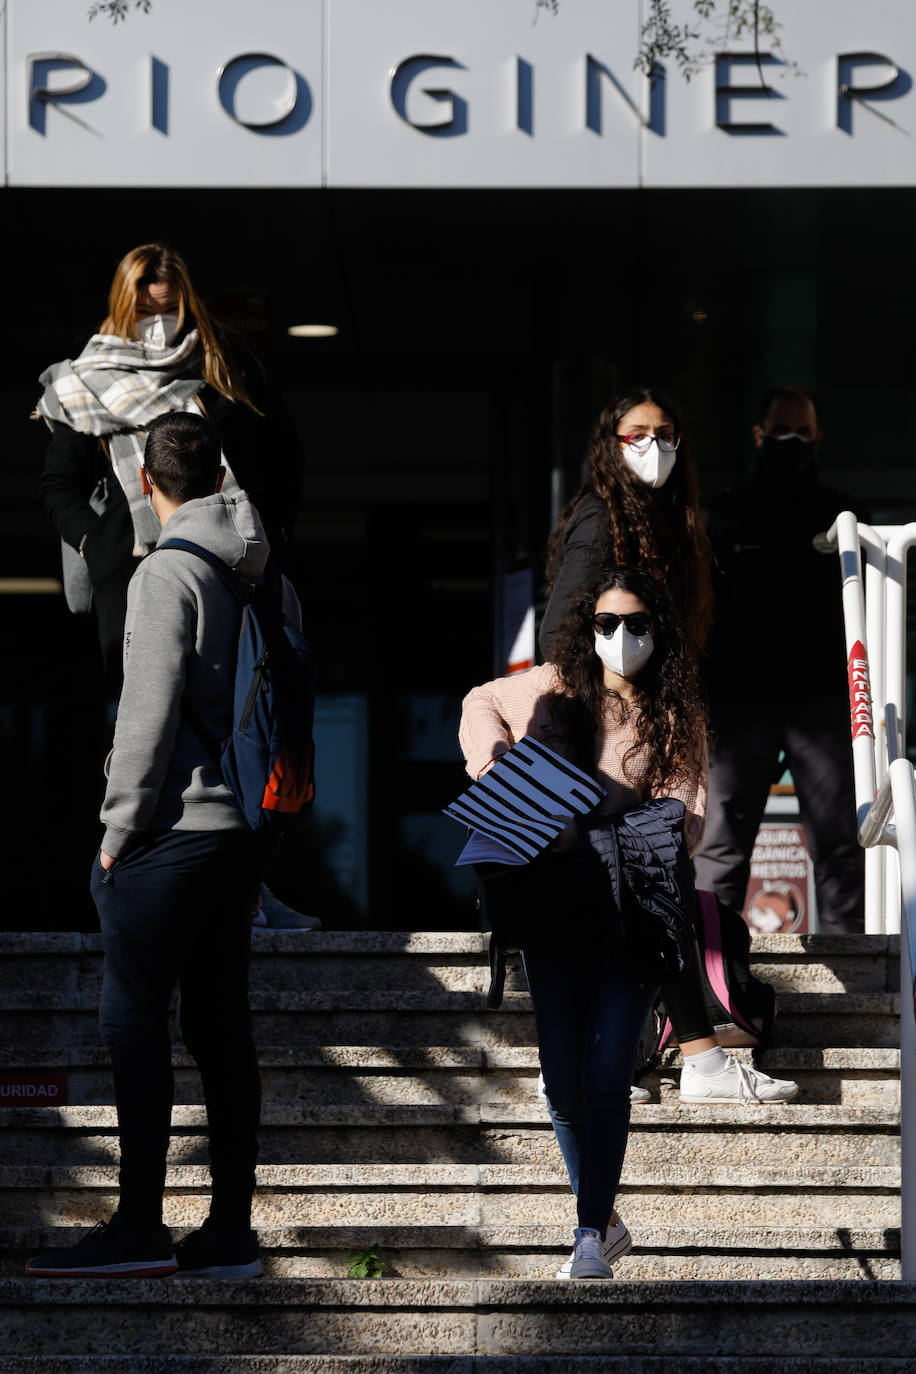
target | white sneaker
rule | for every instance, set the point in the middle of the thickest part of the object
(588, 1262)
(739, 1082)
(617, 1242)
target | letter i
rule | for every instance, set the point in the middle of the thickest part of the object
(159, 95)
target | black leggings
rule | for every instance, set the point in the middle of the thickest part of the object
(685, 1001)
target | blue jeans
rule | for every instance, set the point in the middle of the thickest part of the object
(177, 910)
(589, 1014)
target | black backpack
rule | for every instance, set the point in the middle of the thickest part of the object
(741, 1006)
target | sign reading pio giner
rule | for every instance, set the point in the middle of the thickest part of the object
(458, 93)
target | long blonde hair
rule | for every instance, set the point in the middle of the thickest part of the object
(156, 262)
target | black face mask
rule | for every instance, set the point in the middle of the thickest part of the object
(786, 460)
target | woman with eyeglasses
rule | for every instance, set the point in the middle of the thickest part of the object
(639, 506)
(621, 700)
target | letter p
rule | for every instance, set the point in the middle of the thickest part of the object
(44, 90)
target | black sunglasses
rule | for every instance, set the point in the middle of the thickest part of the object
(639, 623)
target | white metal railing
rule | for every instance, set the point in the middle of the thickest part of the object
(874, 613)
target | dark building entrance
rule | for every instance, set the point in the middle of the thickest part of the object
(479, 333)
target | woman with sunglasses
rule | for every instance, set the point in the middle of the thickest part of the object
(639, 506)
(620, 700)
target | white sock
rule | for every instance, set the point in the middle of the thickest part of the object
(710, 1061)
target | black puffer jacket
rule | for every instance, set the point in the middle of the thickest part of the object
(651, 880)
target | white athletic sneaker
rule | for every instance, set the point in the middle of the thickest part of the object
(617, 1242)
(588, 1262)
(740, 1082)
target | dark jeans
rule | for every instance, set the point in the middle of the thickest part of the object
(815, 735)
(589, 1014)
(177, 910)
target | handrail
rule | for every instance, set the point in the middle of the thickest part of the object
(875, 617)
(899, 790)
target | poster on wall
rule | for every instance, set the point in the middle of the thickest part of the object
(780, 892)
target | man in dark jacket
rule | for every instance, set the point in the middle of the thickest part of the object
(776, 674)
(177, 875)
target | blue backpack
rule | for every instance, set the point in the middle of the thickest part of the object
(268, 761)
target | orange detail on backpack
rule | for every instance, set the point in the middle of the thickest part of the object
(289, 787)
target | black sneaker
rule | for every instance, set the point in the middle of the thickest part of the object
(111, 1248)
(205, 1254)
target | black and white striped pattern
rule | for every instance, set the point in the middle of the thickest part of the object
(526, 798)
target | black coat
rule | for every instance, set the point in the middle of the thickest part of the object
(778, 619)
(586, 549)
(264, 457)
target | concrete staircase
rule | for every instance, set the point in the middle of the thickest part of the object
(401, 1115)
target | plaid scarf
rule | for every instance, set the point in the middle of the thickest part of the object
(115, 389)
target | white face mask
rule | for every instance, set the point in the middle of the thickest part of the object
(624, 653)
(157, 331)
(652, 467)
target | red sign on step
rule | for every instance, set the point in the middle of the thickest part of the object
(33, 1090)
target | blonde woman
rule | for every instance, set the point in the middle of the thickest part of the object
(158, 350)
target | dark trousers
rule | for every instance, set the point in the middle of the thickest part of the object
(815, 735)
(589, 1014)
(177, 910)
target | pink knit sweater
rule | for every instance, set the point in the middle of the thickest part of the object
(496, 715)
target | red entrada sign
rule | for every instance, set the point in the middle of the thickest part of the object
(859, 692)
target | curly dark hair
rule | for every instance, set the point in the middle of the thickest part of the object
(671, 719)
(659, 528)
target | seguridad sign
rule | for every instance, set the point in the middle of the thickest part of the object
(449, 93)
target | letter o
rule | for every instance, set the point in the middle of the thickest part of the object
(233, 72)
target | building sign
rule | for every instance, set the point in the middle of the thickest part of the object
(780, 892)
(453, 93)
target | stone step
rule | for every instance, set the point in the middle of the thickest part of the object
(365, 960)
(483, 1317)
(511, 1133)
(288, 971)
(422, 1251)
(379, 944)
(411, 1073)
(306, 1018)
(445, 1364)
(468, 1194)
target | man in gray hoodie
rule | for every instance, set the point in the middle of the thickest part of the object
(177, 876)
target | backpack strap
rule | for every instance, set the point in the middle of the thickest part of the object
(715, 964)
(241, 594)
(229, 579)
(497, 974)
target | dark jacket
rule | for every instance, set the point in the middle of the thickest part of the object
(264, 456)
(778, 615)
(586, 548)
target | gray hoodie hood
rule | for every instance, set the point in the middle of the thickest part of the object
(180, 641)
(228, 526)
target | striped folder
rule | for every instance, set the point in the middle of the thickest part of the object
(521, 804)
